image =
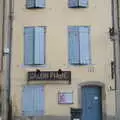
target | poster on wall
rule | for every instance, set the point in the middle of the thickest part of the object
(65, 98)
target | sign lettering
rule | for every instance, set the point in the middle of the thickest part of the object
(49, 75)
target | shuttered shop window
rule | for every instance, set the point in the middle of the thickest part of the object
(79, 45)
(34, 45)
(35, 3)
(77, 3)
(33, 100)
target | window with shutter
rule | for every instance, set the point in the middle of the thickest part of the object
(35, 4)
(34, 45)
(33, 100)
(77, 3)
(79, 45)
(83, 3)
(73, 3)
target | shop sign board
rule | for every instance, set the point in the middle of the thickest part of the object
(49, 76)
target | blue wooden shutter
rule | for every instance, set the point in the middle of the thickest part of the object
(27, 101)
(40, 3)
(83, 3)
(73, 36)
(39, 45)
(30, 3)
(41, 101)
(84, 45)
(73, 3)
(33, 100)
(28, 45)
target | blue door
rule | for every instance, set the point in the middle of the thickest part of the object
(91, 103)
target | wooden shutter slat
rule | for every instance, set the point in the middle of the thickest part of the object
(83, 3)
(40, 3)
(73, 3)
(84, 45)
(73, 35)
(39, 45)
(30, 3)
(33, 100)
(27, 101)
(28, 45)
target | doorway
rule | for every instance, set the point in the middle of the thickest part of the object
(91, 103)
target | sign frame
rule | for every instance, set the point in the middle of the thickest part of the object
(66, 97)
(49, 76)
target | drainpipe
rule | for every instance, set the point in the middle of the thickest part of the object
(7, 33)
(9, 61)
(116, 47)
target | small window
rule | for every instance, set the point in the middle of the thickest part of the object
(35, 4)
(79, 45)
(34, 45)
(77, 3)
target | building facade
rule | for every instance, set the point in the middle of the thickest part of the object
(61, 59)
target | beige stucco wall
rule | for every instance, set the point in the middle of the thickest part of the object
(57, 16)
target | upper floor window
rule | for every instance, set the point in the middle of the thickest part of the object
(79, 45)
(34, 45)
(35, 3)
(77, 3)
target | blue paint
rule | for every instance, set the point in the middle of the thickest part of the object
(30, 3)
(40, 3)
(73, 3)
(39, 45)
(84, 45)
(83, 3)
(91, 103)
(79, 45)
(33, 100)
(28, 45)
(73, 36)
(34, 45)
(77, 3)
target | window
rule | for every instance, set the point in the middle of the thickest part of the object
(34, 45)
(77, 3)
(79, 45)
(35, 3)
(33, 100)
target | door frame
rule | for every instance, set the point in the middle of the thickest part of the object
(93, 83)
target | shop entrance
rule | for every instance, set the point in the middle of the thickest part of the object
(91, 103)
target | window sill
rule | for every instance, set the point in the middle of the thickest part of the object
(80, 65)
(34, 66)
